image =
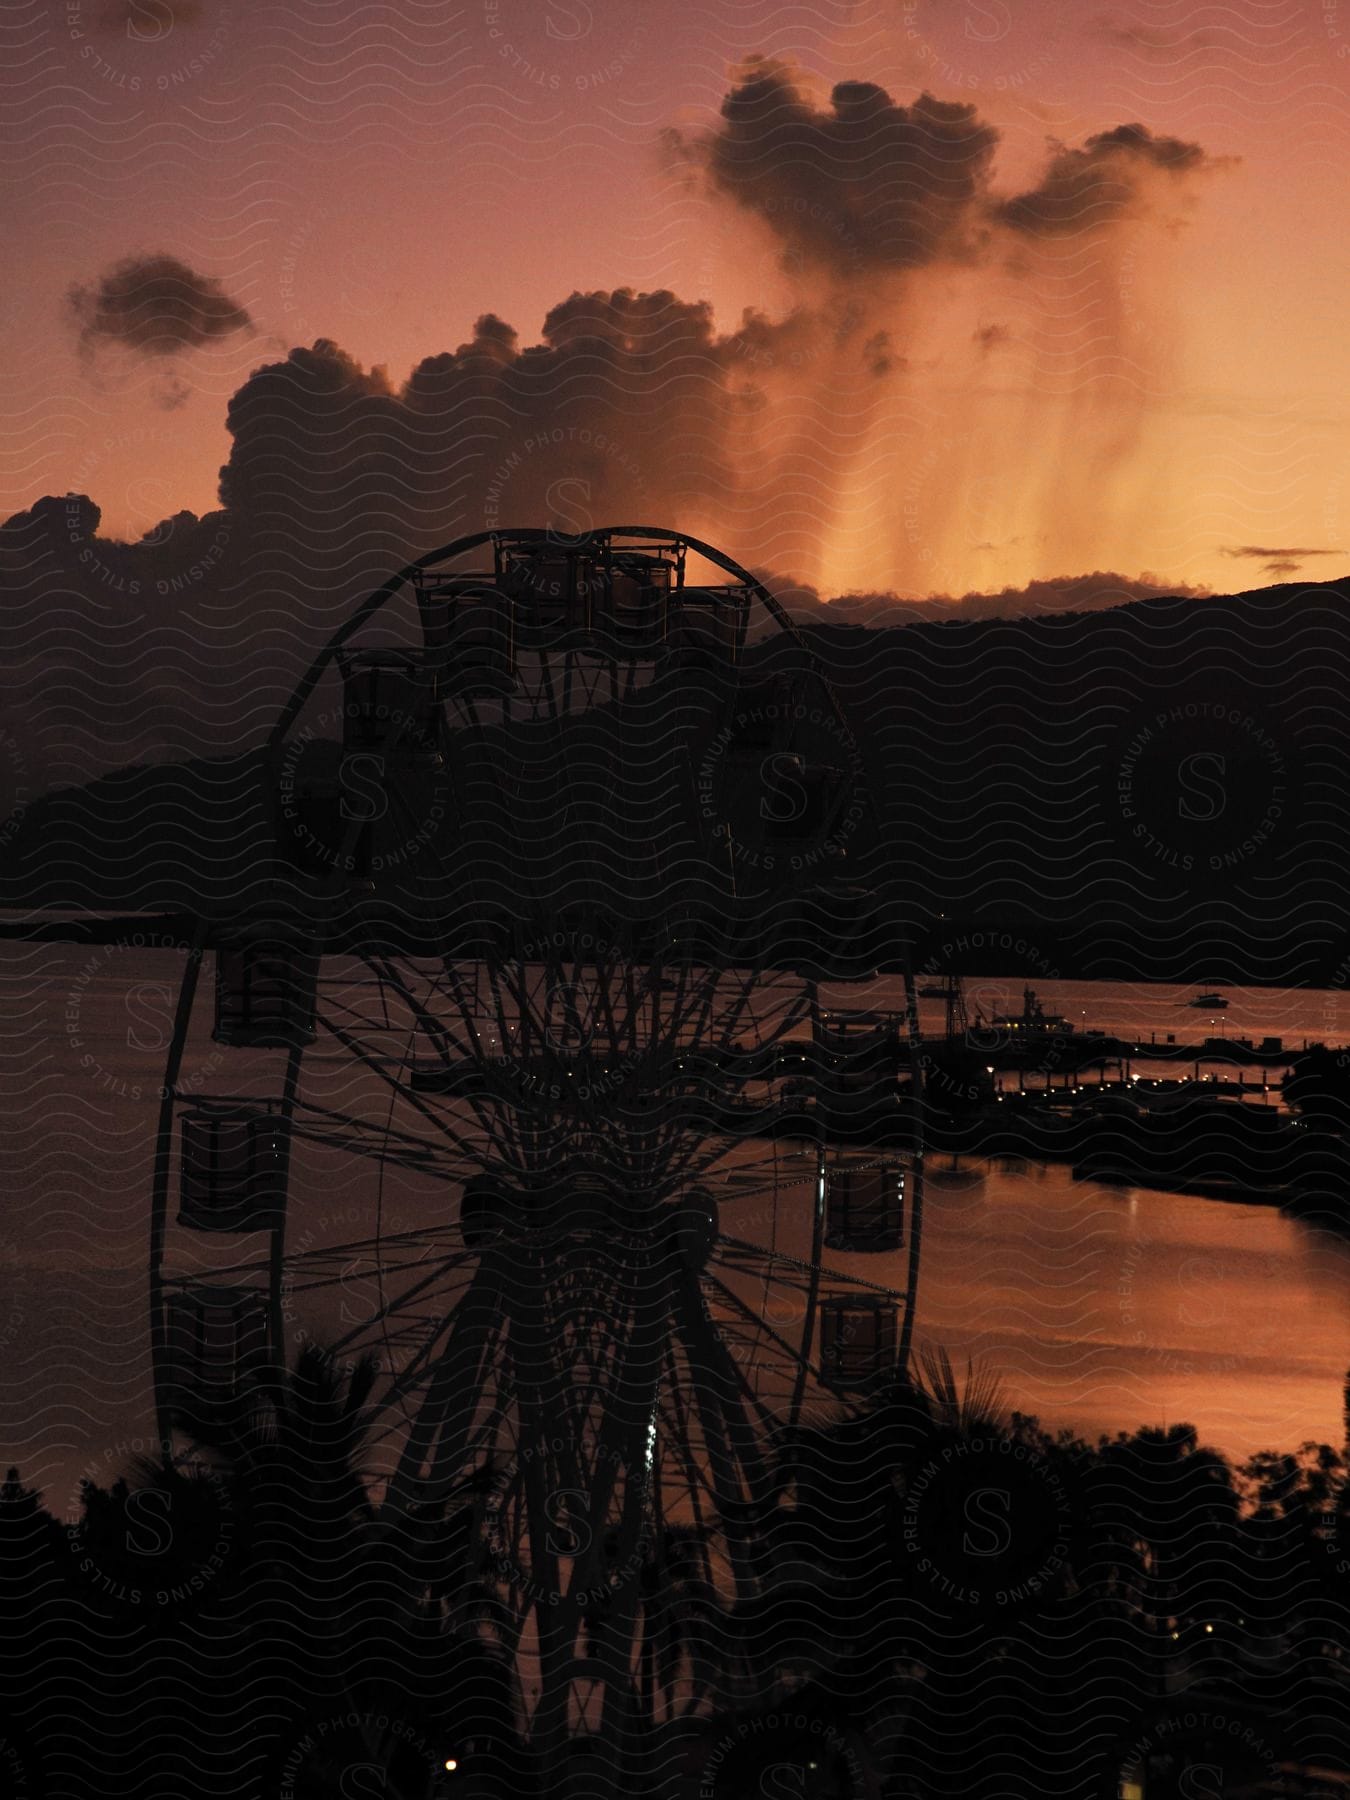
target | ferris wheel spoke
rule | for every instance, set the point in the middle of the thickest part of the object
(440, 1433)
(299, 1267)
(760, 1326)
(736, 1461)
(359, 1140)
(387, 973)
(385, 1243)
(546, 692)
(338, 998)
(694, 1154)
(475, 1154)
(319, 1283)
(748, 1178)
(725, 1491)
(679, 1437)
(365, 1138)
(495, 985)
(449, 981)
(730, 1366)
(699, 1013)
(443, 1040)
(606, 986)
(428, 1283)
(749, 1252)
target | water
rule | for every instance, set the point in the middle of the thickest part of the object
(1102, 1307)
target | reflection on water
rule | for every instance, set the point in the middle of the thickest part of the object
(1108, 1307)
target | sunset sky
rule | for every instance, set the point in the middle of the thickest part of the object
(890, 298)
(1160, 390)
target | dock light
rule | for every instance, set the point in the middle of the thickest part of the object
(1209, 1628)
(451, 1764)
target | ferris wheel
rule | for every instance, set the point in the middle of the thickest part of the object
(509, 1064)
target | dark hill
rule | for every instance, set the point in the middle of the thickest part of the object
(1156, 790)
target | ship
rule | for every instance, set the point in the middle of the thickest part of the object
(1033, 1020)
(1209, 1002)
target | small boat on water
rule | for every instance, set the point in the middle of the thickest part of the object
(1209, 1002)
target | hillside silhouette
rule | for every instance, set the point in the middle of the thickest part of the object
(1158, 789)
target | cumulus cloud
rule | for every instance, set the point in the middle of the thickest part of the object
(628, 403)
(869, 184)
(154, 306)
(1107, 179)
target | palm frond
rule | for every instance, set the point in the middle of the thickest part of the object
(979, 1405)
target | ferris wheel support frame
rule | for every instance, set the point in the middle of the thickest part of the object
(159, 1187)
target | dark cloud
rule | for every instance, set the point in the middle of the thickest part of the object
(627, 404)
(154, 306)
(171, 392)
(863, 186)
(149, 19)
(1106, 180)
(880, 356)
(1261, 552)
(989, 337)
(869, 184)
(1158, 43)
(1277, 559)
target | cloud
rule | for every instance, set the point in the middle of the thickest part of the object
(1277, 560)
(171, 392)
(154, 306)
(627, 406)
(1108, 179)
(1259, 552)
(989, 337)
(880, 356)
(789, 440)
(866, 185)
(1156, 42)
(869, 184)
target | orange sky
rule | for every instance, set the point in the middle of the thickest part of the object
(384, 176)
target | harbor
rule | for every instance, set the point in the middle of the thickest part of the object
(1206, 1115)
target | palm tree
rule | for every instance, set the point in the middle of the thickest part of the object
(335, 1604)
